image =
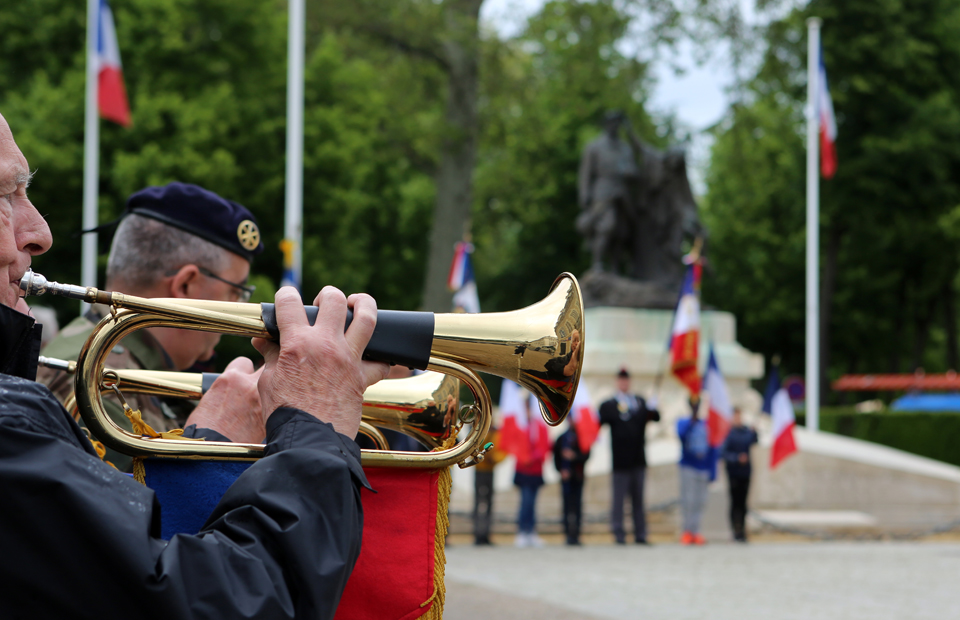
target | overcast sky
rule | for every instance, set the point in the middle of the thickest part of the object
(697, 96)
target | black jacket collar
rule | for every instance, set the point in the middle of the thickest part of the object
(19, 344)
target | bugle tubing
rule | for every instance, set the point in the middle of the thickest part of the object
(540, 347)
(421, 406)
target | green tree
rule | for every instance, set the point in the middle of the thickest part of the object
(888, 287)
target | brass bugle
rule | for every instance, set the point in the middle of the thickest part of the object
(421, 406)
(540, 347)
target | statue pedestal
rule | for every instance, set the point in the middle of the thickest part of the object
(637, 340)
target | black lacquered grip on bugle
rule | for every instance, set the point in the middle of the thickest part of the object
(403, 338)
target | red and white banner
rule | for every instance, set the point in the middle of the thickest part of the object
(781, 410)
(523, 433)
(720, 412)
(685, 335)
(112, 100)
(584, 418)
(828, 125)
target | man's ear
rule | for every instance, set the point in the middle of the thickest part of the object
(184, 281)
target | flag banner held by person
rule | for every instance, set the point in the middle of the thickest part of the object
(461, 280)
(685, 335)
(584, 418)
(720, 412)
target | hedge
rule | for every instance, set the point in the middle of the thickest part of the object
(933, 435)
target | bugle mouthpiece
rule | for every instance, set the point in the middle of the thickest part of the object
(33, 283)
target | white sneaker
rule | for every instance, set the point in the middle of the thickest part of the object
(535, 541)
(522, 540)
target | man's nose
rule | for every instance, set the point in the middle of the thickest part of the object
(33, 234)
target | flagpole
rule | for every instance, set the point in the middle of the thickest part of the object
(91, 153)
(293, 225)
(813, 226)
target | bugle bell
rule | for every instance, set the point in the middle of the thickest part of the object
(540, 347)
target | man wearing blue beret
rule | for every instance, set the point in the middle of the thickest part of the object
(175, 241)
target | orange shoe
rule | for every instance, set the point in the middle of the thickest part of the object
(698, 539)
(686, 539)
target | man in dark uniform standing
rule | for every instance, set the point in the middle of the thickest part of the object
(628, 414)
(81, 539)
(174, 241)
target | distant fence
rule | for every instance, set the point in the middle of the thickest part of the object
(933, 435)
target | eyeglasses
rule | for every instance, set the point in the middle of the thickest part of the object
(246, 290)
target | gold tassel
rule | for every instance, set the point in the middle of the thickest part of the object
(444, 484)
(139, 471)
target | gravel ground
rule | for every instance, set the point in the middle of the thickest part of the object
(768, 581)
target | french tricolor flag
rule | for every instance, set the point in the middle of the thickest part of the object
(828, 125)
(777, 403)
(112, 99)
(685, 335)
(523, 432)
(720, 412)
(461, 280)
(584, 418)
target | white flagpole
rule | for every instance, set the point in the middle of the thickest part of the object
(91, 152)
(813, 226)
(293, 225)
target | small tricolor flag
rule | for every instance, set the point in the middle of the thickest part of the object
(720, 413)
(461, 280)
(584, 418)
(523, 432)
(828, 125)
(777, 403)
(112, 99)
(685, 335)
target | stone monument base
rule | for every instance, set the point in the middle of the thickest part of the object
(636, 339)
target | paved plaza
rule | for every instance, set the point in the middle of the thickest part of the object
(762, 581)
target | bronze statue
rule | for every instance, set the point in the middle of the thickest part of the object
(607, 180)
(638, 210)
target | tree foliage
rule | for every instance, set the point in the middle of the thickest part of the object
(889, 277)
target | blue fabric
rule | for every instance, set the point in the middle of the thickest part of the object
(189, 490)
(773, 386)
(527, 521)
(708, 462)
(927, 402)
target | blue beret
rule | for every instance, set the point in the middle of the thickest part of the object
(202, 213)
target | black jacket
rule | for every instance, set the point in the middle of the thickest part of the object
(81, 540)
(627, 431)
(569, 439)
(738, 442)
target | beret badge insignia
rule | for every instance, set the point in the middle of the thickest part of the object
(249, 235)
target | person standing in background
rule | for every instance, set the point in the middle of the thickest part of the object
(628, 414)
(483, 490)
(736, 456)
(570, 460)
(698, 467)
(529, 472)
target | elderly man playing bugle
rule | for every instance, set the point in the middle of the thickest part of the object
(80, 539)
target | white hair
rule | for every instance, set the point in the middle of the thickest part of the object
(146, 250)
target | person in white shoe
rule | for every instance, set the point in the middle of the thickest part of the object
(529, 473)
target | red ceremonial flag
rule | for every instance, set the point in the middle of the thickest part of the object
(828, 125)
(685, 335)
(112, 99)
(585, 418)
(720, 413)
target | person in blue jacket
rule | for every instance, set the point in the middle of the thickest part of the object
(736, 457)
(698, 467)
